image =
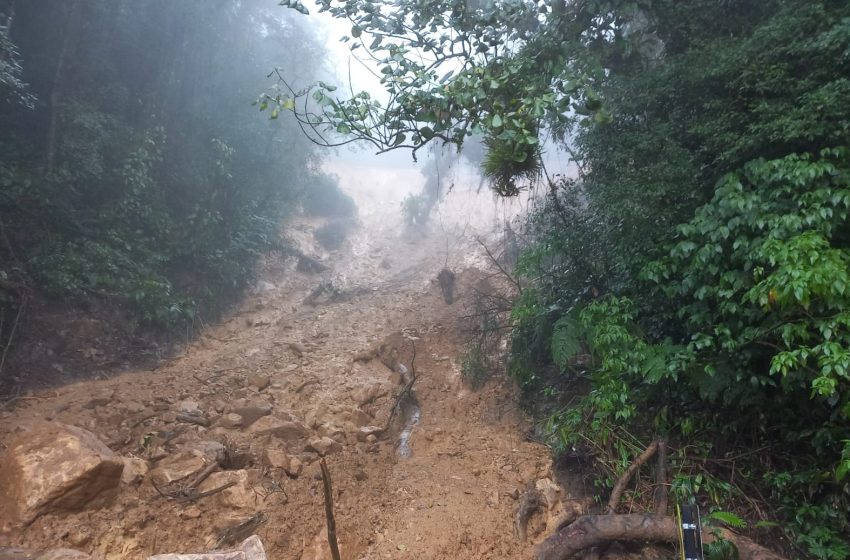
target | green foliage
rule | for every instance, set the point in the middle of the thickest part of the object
(474, 365)
(134, 187)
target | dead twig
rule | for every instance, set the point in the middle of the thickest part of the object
(620, 486)
(329, 509)
(240, 531)
(495, 261)
(21, 307)
(661, 495)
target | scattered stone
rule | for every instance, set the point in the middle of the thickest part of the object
(371, 438)
(297, 349)
(135, 470)
(191, 512)
(275, 458)
(365, 395)
(360, 418)
(250, 549)
(251, 414)
(63, 554)
(168, 417)
(284, 430)
(230, 420)
(364, 432)
(331, 431)
(177, 467)
(258, 381)
(324, 446)
(80, 537)
(295, 467)
(360, 476)
(189, 406)
(238, 496)
(209, 450)
(56, 467)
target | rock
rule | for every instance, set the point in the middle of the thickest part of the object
(360, 475)
(360, 418)
(189, 406)
(63, 554)
(250, 549)
(295, 467)
(80, 536)
(314, 417)
(238, 496)
(324, 446)
(177, 467)
(258, 381)
(252, 413)
(135, 470)
(230, 420)
(191, 512)
(365, 395)
(371, 438)
(273, 426)
(364, 432)
(56, 467)
(331, 431)
(208, 449)
(275, 458)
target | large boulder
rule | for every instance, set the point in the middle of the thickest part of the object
(55, 467)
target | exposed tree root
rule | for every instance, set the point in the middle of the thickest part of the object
(621, 484)
(593, 530)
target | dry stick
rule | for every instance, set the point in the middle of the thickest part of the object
(12, 333)
(404, 392)
(329, 509)
(617, 492)
(661, 495)
(495, 261)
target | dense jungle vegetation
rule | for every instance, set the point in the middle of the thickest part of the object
(692, 282)
(134, 172)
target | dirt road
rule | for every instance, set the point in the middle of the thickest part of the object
(278, 376)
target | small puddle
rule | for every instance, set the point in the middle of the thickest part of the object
(412, 414)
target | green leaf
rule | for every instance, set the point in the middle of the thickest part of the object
(728, 518)
(356, 31)
(496, 122)
(566, 340)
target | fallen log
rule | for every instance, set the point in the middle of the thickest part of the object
(592, 530)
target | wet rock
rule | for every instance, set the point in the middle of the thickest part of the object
(239, 495)
(135, 470)
(250, 549)
(56, 467)
(281, 429)
(260, 382)
(324, 446)
(177, 467)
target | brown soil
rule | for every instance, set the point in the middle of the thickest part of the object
(454, 497)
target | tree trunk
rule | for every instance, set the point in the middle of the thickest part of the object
(55, 90)
(593, 530)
